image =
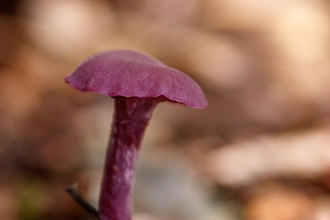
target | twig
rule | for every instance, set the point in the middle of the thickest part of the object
(73, 191)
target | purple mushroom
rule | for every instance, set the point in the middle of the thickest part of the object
(138, 83)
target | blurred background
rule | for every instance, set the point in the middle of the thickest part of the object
(260, 151)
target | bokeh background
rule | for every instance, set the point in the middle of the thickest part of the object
(261, 151)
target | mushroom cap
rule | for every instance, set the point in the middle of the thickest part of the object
(133, 74)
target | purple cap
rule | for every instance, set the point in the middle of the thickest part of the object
(133, 74)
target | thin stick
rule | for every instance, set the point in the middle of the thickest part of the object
(73, 191)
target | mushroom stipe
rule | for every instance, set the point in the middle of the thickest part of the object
(137, 82)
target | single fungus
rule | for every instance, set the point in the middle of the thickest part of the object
(138, 83)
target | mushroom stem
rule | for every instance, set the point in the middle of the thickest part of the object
(131, 117)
